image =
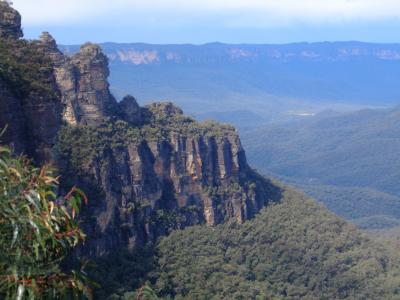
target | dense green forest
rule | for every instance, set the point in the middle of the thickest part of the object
(292, 250)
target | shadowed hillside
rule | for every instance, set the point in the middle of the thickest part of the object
(349, 161)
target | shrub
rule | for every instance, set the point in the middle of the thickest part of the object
(37, 231)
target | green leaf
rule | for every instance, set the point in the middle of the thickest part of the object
(36, 247)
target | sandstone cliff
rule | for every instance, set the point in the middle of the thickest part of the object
(10, 22)
(166, 173)
(82, 82)
(147, 170)
(29, 95)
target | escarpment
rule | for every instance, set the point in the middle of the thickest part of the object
(82, 82)
(29, 97)
(10, 22)
(169, 172)
(146, 170)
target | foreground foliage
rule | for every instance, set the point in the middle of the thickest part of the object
(37, 231)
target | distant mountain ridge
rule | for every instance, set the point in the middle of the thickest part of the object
(153, 54)
(271, 81)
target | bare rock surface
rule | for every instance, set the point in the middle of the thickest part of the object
(146, 170)
(10, 22)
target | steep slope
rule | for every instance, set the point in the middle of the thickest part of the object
(350, 161)
(167, 173)
(147, 170)
(10, 22)
(28, 91)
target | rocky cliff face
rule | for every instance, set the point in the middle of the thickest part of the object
(31, 122)
(168, 172)
(10, 22)
(82, 81)
(29, 98)
(147, 170)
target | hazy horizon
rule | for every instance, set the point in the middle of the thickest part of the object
(199, 22)
(233, 44)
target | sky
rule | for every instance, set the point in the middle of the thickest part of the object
(202, 21)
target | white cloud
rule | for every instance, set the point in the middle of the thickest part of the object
(232, 12)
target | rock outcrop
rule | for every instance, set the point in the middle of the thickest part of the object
(168, 172)
(32, 121)
(130, 110)
(93, 97)
(147, 170)
(82, 81)
(10, 22)
(30, 106)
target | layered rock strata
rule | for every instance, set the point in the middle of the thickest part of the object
(147, 170)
